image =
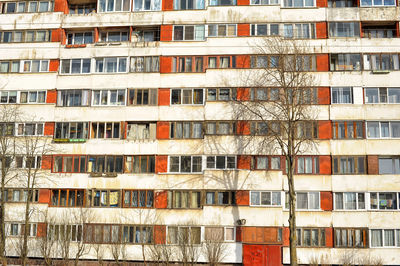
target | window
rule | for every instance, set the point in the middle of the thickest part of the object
(349, 165)
(307, 165)
(67, 198)
(73, 98)
(7, 129)
(220, 198)
(184, 199)
(187, 96)
(298, 3)
(264, 61)
(310, 237)
(8, 97)
(33, 162)
(188, 64)
(347, 129)
(138, 198)
(34, 66)
(307, 129)
(102, 233)
(146, 34)
(114, 36)
(264, 128)
(265, 94)
(75, 66)
(105, 130)
(142, 97)
(305, 201)
(264, 2)
(9, 67)
(351, 237)
(111, 65)
(80, 37)
(145, 64)
(342, 95)
(108, 97)
(103, 198)
(260, 29)
(30, 129)
(20, 7)
(222, 3)
(140, 164)
(217, 234)
(385, 238)
(184, 235)
(221, 94)
(26, 36)
(185, 164)
(382, 95)
(141, 131)
(189, 33)
(342, 3)
(378, 31)
(32, 97)
(299, 62)
(384, 200)
(221, 162)
(69, 164)
(344, 29)
(222, 30)
(265, 198)
(186, 130)
(267, 162)
(71, 130)
(20, 195)
(71, 232)
(105, 164)
(146, 5)
(299, 31)
(349, 201)
(373, 3)
(16, 229)
(389, 165)
(221, 128)
(137, 234)
(387, 129)
(381, 62)
(340, 62)
(188, 4)
(82, 9)
(114, 5)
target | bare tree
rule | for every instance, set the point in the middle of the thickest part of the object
(283, 111)
(214, 247)
(188, 241)
(46, 242)
(118, 251)
(9, 114)
(99, 250)
(161, 254)
(81, 217)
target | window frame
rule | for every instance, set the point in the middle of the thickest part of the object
(81, 68)
(108, 95)
(192, 96)
(77, 202)
(152, 97)
(321, 235)
(345, 202)
(178, 130)
(260, 198)
(180, 164)
(138, 192)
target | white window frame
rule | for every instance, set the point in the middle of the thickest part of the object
(180, 164)
(380, 129)
(128, 9)
(36, 129)
(28, 99)
(37, 162)
(41, 66)
(291, 4)
(378, 89)
(192, 97)
(295, 33)
(195, 36)
(225, 162)
(363, 4)
(266, 205)
(377, 195)
(104, 70)
(308, 201)
(81, 66)
(108, 91)
(396, 238)
(217, 31)
(344, 202)
(340, 99)
(113, 31)
(82, 32)
(155, 5)
(265, 2)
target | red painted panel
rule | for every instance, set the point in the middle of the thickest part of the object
(286, 236)
(160, 234)
(167, 5)
(325, 166)
(274, 255)
(41, 229)
(324, 95)
(165, 64)
(162, 130)
(161, 163)
(161, 200)
(44, 195)
(243, 30)
(48, 128)
(51, 97)
(326, 200)
(325, 129)
(61, 6)
(54, 63)
(254, 255)
(243, 2)
(96, 35)
(46, 162)
(243, 128)
(239, 234)
(373, 164)
(166, 33)
(322, 3)
(322, 62)
(243, 94)
(329, 237)
(321, 29)
(243, 61)
(242, 197)
(59, 35)
(164, 97)
(244, 162)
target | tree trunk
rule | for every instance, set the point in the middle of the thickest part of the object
(2, 213)
(292, 210)
(24, 251)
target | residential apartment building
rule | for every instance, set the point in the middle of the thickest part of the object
(135, 97)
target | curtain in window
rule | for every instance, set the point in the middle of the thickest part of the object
(376, 238)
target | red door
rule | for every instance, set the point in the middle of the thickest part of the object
(262, 255)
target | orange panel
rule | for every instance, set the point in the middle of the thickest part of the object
(274, 255)
(54, 63)
(325, 166)
(166, 33)
(41, 229)
(243, 94)
(326, 200)
(270, 235)
(161, 200)
(51, 96)
(243, 2)
(44, 195)
(165, 64)
(322, 62)
(96, 35)
(322, 3)
(160, 234)
(239, 234)
(373, 164)
(324, 95)
(243, 61)
(242, 197)
(254, 255)
(325, 129)
(321, 29)
(243, 30)
(243, 128)
(48, 128)
(286, 236)
(329, 237)
(161, 163)
(244, 162)
(162, 130)
(46, 162)
(167, 5)
(61, 6)
(164, 97)
(249, 234)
